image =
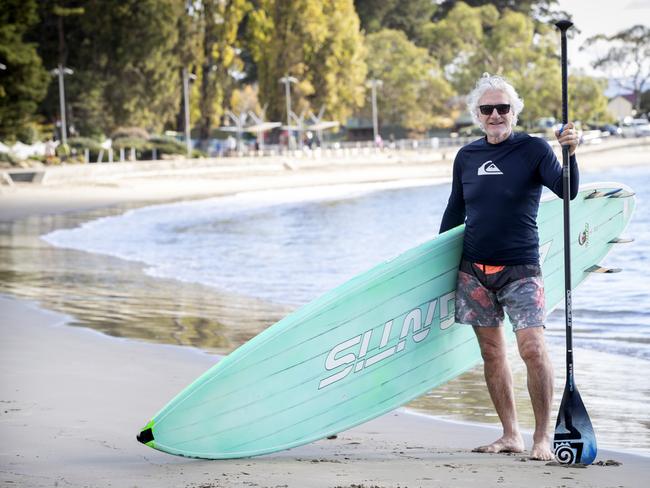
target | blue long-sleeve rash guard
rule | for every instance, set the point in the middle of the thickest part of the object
(496, 190)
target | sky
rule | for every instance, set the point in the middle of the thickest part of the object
(601, 17)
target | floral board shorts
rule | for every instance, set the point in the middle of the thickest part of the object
(483, 293)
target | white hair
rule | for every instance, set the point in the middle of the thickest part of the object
(489, 82)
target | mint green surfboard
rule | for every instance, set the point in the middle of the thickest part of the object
(367, 347)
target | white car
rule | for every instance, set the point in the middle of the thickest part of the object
(636, 128)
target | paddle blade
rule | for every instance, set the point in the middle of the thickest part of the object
(574, 441)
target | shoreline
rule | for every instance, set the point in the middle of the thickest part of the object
(91, 380)
(92, 186)
(73, 401)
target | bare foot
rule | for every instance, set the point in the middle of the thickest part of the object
(505, 444)
(541, 451)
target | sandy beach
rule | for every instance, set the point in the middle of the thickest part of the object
(72, 399)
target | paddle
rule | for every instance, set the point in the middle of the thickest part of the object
(574, 441)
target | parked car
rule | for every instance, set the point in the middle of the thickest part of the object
(636, 128)
(611, 129)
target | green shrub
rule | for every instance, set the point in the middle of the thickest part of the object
(130, 133)
(78, 146)
(167, 139)
(85, 143)
(63, 151)
(10, 158)
(30, 133)
(167, 145)
(142, 148)
(131, 142)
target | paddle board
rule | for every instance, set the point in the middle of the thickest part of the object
(367, 347)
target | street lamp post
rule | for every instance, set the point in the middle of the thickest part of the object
(375, 123)
(186, 102)
(60, 72)
(287, 80)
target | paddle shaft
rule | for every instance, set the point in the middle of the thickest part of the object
(566, 197)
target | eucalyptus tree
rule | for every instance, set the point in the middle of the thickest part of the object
(220, 65)
(414, 92)
(409, 16)
(472, 40)
(536, 9)
(588, 102)
(319, 43)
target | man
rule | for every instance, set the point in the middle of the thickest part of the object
(496, 188)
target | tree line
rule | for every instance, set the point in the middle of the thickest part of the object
(128, 57)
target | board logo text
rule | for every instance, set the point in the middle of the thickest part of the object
(359, 352)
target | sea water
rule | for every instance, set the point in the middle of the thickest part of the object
(289, 246)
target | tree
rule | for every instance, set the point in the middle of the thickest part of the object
(645, 103)
(134, 45)
(318, 43)
(538, 9)
(339, 67)
(188, 52)
(284, 38)
(23, 82)
(123, 53)
(53, 34)
(409, 16)
(414, 92)
(244, 99)
(587, 101)
(474, 40)
(372, 13)
(63, 12)
(221, 21)
(459, 34)
(628, 58)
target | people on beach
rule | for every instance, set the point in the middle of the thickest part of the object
(496, 189)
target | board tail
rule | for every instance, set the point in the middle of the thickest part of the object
(146, 435)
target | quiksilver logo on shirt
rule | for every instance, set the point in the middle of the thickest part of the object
(489, 168)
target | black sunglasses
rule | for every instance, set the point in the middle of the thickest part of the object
(502, 108)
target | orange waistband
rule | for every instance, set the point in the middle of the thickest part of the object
(488, 269)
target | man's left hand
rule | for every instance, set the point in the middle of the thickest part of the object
(568, 136)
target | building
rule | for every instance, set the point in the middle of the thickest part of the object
(622, 106)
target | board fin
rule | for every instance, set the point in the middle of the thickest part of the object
(614, 193)
(622, 194)
(617, 193)
(595, 194)
(621, 240)
(601, 269)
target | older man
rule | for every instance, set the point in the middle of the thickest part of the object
(497, 183)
